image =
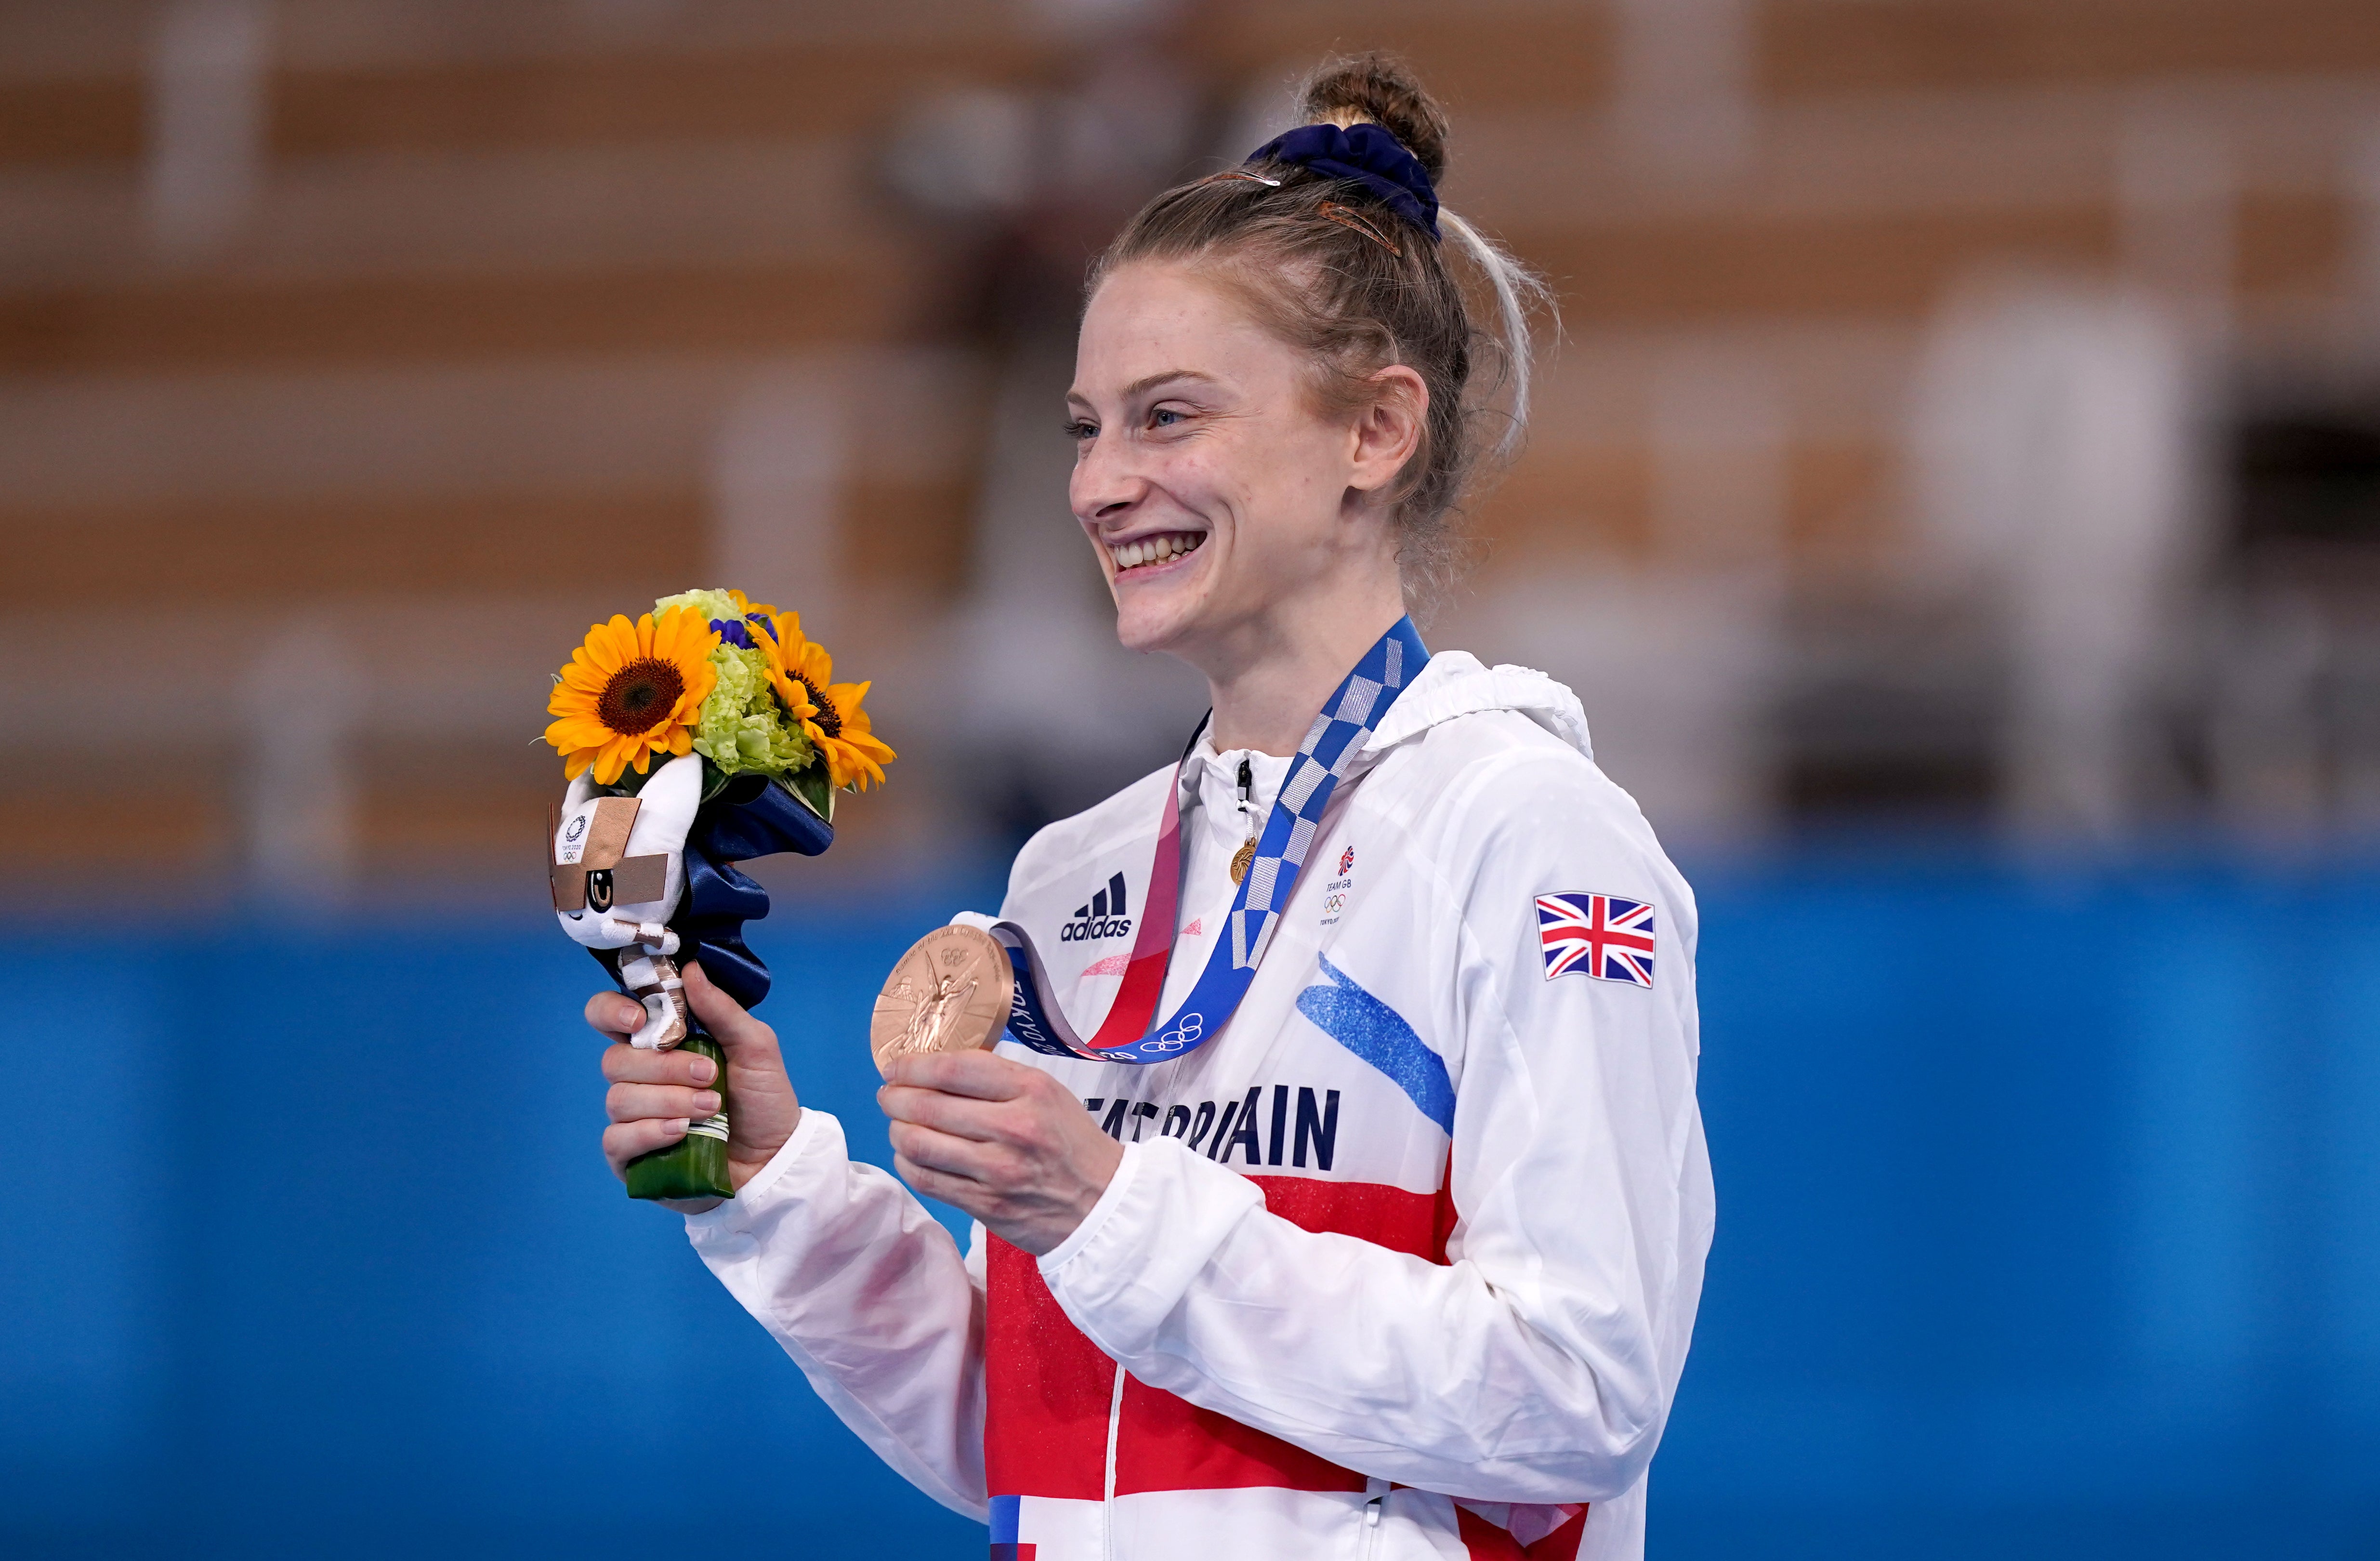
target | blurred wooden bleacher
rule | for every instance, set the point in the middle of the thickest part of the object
(454, 378)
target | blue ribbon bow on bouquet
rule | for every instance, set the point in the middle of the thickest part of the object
(751, 819)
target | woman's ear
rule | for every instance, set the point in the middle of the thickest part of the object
(1388, 430)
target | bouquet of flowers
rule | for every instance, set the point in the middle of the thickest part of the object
(707, 732)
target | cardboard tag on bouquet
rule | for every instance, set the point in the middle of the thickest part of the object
(585, 860)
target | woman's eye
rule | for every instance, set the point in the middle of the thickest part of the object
(1164, 417)
(1079, 430)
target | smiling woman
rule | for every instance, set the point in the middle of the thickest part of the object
(1379, 1235)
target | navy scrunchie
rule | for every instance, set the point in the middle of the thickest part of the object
(1367, 154)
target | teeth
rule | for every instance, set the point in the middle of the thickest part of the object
(1151, 550)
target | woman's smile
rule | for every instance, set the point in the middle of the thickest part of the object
(1151, 554)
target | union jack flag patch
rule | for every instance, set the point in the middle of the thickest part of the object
(1601, 935)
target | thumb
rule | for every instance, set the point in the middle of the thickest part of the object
(745, 1039)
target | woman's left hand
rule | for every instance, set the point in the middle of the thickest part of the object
(1006, 1142)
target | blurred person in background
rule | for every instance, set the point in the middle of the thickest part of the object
(1408, 1256)
(1013, 188)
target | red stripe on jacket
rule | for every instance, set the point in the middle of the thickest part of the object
(1048, 1386)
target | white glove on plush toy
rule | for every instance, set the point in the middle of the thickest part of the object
(618, 869)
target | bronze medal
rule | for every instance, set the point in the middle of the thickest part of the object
(1240, 859)
(950, 993)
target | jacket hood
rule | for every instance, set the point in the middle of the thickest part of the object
(1454, 683)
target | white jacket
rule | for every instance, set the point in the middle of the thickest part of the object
(1402, 1263)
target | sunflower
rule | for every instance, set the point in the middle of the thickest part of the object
(792, 692)
(630, 692)
(829, 712)
(760, 612)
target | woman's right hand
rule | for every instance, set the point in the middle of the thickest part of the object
(654, 1095)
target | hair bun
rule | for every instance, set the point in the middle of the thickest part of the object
(1381, 89)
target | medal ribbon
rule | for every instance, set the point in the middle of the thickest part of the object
(1348, 718)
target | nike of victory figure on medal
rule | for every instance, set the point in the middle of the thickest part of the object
(950, 993)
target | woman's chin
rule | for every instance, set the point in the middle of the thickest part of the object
(1154, 615)
(1143, 632)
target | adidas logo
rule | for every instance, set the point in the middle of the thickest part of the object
(1103, 918)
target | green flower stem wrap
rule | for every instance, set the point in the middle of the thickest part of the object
(695, 1166)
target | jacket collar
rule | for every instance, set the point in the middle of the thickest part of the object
(1454, 684)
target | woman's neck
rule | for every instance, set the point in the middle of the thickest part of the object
(1268, 690)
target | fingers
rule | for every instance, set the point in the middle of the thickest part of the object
(978, 1075)
(628, 1065)
(623, 1141)
(953, 1158)
(613, 1014)
(637, 1103)
(959, 1116)
(977, 1096)
(958, 1191)
(649, 1086)
(743, 1038)
(1031, 1168)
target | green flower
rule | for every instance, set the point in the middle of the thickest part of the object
(714, 606)
(741, 726)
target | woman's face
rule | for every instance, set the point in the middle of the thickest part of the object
(1213, 490)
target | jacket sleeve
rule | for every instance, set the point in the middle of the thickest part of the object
(872, 1298)
(1538, 1365)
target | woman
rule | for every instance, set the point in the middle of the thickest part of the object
(1404, 1258)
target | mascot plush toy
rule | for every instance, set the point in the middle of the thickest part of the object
(637, 881)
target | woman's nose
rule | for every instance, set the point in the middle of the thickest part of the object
(1104, 486)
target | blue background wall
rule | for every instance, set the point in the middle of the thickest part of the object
(2049, 1225)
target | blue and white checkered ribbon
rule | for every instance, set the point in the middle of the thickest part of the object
(1337, 734)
